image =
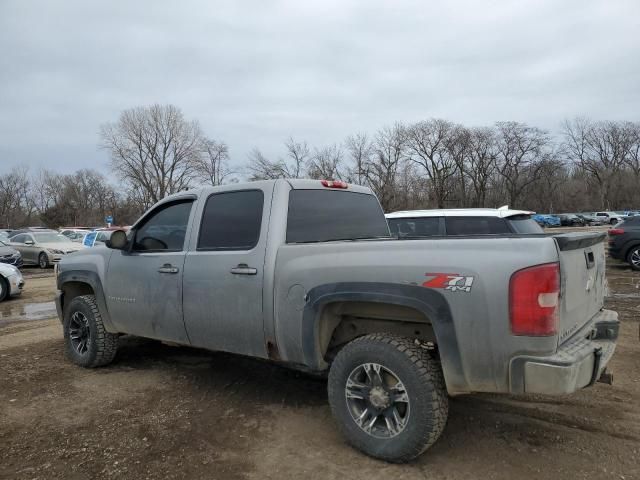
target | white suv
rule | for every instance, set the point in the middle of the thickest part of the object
(461, 221)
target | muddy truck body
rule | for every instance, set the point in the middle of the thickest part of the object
(304, 273)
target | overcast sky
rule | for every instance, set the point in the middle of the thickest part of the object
(254, 73)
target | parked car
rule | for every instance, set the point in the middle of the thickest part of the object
(100, 236)
(305, 273)
(570, 220)
(460, 222)
(624, 242)
(43, 248)
(75, 234)
(11, 281)
(545, 220)
(610, 217)
(590, 219)
(9, 255)
(4, 237)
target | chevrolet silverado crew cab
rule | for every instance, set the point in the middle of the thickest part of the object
(305, 273)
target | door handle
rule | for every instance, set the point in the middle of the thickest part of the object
(168, 268)
(244, 269)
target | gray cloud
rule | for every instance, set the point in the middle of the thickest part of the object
(256, 73)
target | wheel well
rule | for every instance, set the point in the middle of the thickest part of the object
(341, 322)
(75, 289)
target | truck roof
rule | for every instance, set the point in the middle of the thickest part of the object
(295, 183)
(501, 212)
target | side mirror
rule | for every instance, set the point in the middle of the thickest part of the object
(118, 240)
(28, 242)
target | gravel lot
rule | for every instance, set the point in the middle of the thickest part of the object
(163, 411)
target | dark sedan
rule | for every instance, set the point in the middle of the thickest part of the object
(624, 242)
(10, 255)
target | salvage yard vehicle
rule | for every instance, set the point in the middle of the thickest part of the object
(545, 220)
(624, 242)
(305, 273)
(610, 217)
(43, 248)
(9, 255)
(460, 222)
(11, 281)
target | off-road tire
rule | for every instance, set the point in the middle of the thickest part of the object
(101, 345)
(425, 387)
(635, 251)
(43, 260)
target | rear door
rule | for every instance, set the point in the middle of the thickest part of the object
(224, 272)
(582, 277)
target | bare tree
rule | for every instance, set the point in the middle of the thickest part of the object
(14, 187)
(293, 166)
(389, 145)
(427, 146)
(601, 149)
(213, 162)
(326, 163)
(482, 163)
(154, 149)
(360, 150)
(521, 149)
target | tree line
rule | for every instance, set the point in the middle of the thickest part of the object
(155, 151)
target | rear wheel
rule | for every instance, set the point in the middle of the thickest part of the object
(633, 257)
(43, 260)
(388, 397)
(87, 342)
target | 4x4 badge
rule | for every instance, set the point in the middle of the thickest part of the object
(449, 281)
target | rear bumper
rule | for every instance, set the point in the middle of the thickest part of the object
(578, 363)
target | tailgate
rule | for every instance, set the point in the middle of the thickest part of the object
(582, 279)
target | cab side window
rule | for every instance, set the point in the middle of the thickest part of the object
(231, 221)
(165, 229)
(18, 238)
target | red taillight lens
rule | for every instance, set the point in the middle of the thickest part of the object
(533, 300)
(334, 184)
(615, 231)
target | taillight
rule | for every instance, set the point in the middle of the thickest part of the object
(334, 184)
(533, 300)
(615, 231)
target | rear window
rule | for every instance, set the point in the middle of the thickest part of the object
(326, 215)
(632, 221)
(524, 224)
(415, 227)
(476, 226)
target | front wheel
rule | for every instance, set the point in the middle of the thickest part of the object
(388, 396)
(633, 257)
(613, 221)
(43, 260)
(87, 342)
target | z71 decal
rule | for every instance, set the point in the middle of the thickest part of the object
(449, 281)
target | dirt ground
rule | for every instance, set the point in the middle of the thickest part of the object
(169, 412)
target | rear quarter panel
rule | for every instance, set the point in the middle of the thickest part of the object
(480, 316)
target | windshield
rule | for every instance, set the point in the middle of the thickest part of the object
(50, 238)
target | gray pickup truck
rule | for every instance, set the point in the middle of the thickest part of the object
(305, 273)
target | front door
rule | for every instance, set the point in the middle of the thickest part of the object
(144, 283)
(223, 273)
